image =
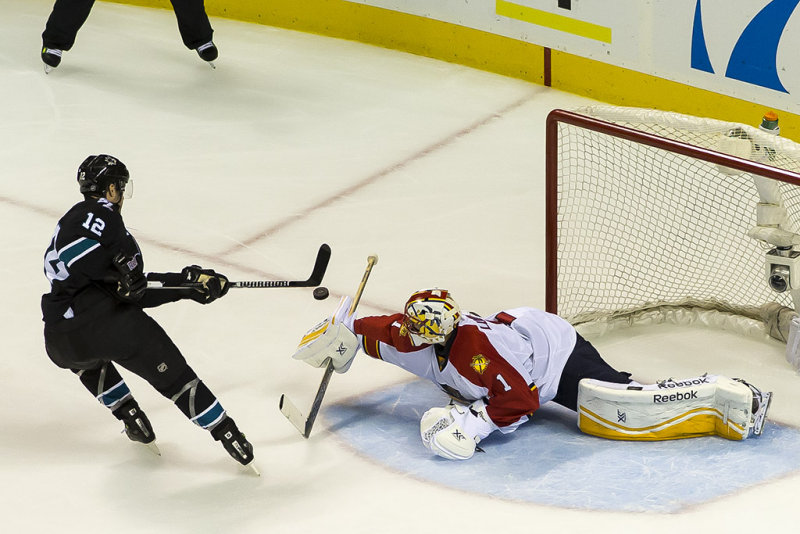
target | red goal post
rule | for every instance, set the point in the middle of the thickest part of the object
(644, 212)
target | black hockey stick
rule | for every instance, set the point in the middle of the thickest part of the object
(287, 407)
(320, 266)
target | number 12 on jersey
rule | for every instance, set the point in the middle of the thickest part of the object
(96, 226)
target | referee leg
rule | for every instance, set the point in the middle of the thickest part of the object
(64, 22)
(193, 23)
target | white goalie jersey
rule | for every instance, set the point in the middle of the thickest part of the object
(513, 359)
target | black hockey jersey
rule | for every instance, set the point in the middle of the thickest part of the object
(78, 264)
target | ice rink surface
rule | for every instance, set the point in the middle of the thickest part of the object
(293, 141)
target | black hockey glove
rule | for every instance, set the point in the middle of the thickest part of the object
(131, 282)
(208, 285)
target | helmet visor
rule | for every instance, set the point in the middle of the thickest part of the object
(127, 188)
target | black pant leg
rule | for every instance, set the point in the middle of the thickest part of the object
(105, 384)
(65, 20)
(145, 349)
(158, 360)
(129, 337)
(584, 362)
(193, 22)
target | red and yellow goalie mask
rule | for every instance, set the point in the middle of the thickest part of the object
(430, 315)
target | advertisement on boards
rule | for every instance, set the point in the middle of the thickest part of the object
(741, 48)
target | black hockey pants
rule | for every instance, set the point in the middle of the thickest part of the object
(584, 362)
(126, 335)
(68, 16)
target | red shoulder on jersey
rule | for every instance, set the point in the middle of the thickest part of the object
(382, 329)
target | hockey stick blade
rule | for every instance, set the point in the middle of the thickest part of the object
(291, 412)
(320, 266)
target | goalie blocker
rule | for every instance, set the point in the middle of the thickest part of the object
(672, 409)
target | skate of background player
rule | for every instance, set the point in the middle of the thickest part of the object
(339, 148)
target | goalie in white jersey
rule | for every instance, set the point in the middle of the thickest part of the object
(500, 369)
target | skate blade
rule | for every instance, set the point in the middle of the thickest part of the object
(252, 467)
(153, 448)
(761, 416)
(47, 69)
(211, 64)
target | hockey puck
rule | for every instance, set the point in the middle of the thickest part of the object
(321, 293)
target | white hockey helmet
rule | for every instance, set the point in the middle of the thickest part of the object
(430, 315)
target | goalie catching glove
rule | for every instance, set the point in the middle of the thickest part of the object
(208, 285)
(332, 340)
(453, 432)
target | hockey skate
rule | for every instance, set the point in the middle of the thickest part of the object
(235, 443)
(208, 52)
(51, 58)
(761, 402)
(137, 425)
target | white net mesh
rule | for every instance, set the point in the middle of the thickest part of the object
(641, 227)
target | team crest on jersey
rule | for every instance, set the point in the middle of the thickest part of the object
(479, 363)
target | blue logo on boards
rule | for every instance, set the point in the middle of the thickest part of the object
(754, 57)
(549, 461)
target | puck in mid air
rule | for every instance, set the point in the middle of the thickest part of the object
(321, 293)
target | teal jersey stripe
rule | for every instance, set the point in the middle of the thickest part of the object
(76, 250)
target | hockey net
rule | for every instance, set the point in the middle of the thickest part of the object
(647, 221)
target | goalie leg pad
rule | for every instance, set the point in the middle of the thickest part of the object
(671, 409)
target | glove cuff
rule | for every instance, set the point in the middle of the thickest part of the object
(342, 313)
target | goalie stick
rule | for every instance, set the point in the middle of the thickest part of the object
(320, 266)
(287, 407)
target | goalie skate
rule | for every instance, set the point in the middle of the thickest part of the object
(761, 403)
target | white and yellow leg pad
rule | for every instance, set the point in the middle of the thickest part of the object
(671, 409)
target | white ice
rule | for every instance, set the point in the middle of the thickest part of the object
(293, 141)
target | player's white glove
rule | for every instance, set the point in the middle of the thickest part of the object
(332, 340)
(454, 432)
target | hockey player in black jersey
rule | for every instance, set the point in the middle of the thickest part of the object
(94, 313)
